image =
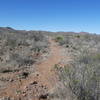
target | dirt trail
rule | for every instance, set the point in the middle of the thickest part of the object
(46, 77)
(46, 68)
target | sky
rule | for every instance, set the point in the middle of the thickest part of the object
(51, 15)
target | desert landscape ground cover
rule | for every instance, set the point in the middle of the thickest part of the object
(40, 65)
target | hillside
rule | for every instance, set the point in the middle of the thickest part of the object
(40, 65)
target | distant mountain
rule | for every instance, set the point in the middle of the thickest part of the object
(10, 29)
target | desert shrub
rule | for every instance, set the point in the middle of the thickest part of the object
(83, 76)
(21, 60)
(24, 75)
(3, 70)
(78, 36)
(38, 36)
(10, 41)
(17, 47)
(59, 38)
(39, 46)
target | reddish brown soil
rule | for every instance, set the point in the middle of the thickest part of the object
(36, 86)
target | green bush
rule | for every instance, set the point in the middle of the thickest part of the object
(59, 38)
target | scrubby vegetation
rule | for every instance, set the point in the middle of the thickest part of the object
(82, 77)
(18, 48)
(79, 79)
